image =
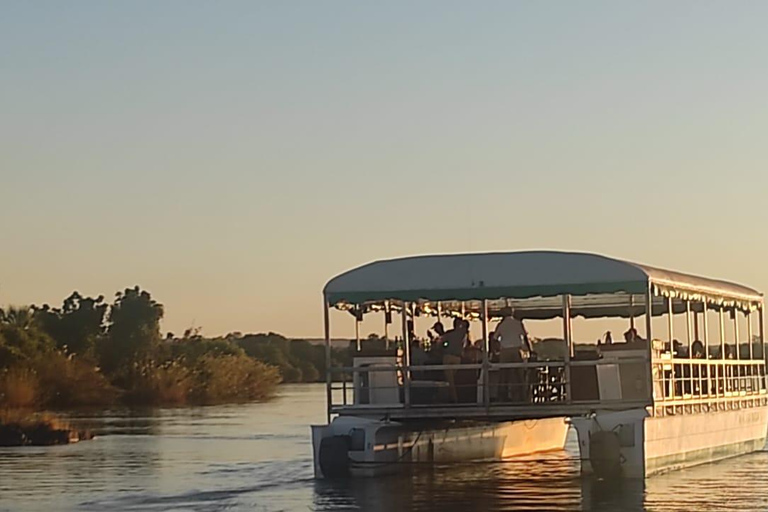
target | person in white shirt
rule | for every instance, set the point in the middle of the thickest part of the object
(510, 333)
(511, 336)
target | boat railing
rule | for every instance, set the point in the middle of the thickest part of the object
(682, 385)
(518, 384)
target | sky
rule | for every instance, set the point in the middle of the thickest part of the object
(232, 157)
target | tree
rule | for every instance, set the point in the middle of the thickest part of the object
(21, 339)
(133, 331)
(193, 346)
(77, 325)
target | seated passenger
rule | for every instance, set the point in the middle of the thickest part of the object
(632, 336)
(697, 350)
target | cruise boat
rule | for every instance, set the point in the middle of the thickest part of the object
(654, 401)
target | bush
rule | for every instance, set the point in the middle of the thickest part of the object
(233, 378)
(169, 384)
(72, 382)
(19, 388)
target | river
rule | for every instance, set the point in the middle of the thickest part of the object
(258, 457)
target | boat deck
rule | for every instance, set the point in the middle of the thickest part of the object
(497, 412)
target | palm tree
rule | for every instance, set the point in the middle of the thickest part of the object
(20, 317)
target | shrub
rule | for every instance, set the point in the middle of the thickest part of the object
(169, 384)
(19, 388)
(233, 378)
(72, 382)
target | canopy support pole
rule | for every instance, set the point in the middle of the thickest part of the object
(386, 324)
(688, 325)
(357, 328)
(696, 335)
(649, 336)
(736, 332)
(567, 336)
(406, 357)
(748, 315)
(761, 329)
(486, 360)
(327, 331)
(632, 311)
(670, 325)
(705, 325)
(722, 332)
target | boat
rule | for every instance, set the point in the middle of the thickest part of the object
(641, 405)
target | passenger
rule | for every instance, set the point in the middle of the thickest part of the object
(515, 348)
(608, 338)
(452, 345)
(468, 341)
(493, 357)
(631, 336)
(495, 347)
(437, 331)
(697, 350)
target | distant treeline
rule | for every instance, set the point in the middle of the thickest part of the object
(92, 353)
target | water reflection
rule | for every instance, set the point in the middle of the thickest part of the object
(550, 484)
(258, 457)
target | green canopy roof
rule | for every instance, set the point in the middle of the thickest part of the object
(522, 275)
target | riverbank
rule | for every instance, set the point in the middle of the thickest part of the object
(26, 428)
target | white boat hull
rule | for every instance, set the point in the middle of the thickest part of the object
(675, 442)
(651, 445)
(389, 446)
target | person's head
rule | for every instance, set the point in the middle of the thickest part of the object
(466, 325)
(438, 328)
(630, 335)
(458, 322)
(697, 350)
(506, 311)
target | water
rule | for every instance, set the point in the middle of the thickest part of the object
(258, 457)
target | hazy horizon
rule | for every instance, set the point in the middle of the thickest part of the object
(231, 158)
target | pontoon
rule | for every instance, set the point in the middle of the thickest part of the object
(641, 405)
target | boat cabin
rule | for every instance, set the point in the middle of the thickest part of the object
(684, 344)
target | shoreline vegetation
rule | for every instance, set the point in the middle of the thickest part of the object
(90, 353)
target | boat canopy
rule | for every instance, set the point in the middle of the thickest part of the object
(527, 275)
